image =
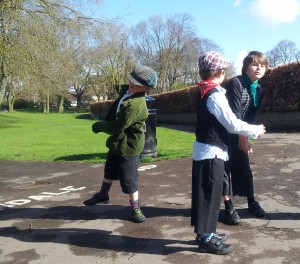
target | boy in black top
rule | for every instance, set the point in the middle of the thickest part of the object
(244, 95)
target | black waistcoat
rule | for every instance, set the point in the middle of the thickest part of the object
(208, 129)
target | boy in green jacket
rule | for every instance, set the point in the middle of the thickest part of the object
(125, 124)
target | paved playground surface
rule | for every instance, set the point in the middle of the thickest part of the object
(43, 220)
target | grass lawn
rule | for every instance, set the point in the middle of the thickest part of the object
(68, 137)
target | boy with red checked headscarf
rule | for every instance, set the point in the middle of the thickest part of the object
(210, 150)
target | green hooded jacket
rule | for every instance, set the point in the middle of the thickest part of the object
(127, 127)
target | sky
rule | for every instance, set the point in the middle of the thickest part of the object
(236, 26)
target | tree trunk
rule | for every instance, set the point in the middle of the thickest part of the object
(79, 100)
(10, 101)
(2, 89)
(48, 103)
(61, 105)
(44, 107)
(3, 83)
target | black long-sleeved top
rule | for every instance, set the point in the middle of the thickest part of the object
(240, 100)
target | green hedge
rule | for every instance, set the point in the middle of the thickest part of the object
(99, 109)
(281, 94)
(282, 89)
(19, 104)
(179, 101)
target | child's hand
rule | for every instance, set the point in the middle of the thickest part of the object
(96, 127)
(244, 145)
(262, 130)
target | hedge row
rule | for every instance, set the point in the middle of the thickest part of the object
(180, 101)
(282, 89)
(99, 109)
(281, 94)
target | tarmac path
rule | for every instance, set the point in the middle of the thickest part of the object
(43, 221)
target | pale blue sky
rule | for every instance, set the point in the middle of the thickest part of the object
(237, 26)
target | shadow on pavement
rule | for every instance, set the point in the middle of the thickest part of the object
(116, 212)
(99, 239)
(245, 214)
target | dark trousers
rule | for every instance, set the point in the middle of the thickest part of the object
(227, 188)
(124, 169)
(238, 171)
(207, 182)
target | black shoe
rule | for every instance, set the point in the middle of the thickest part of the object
(222, 237)
(256, 210)
(215, 246)
(137, 215)
(232, 217)
(97, 198)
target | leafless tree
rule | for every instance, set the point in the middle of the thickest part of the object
(163, 44)
(172, 47)
(284, 52)
(110, 58)
(207, 45)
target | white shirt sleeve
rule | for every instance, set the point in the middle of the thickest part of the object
(217, 105)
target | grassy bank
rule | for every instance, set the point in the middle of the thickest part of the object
(68, 137)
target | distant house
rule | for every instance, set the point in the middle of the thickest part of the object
(86, 99)
(71, 100)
